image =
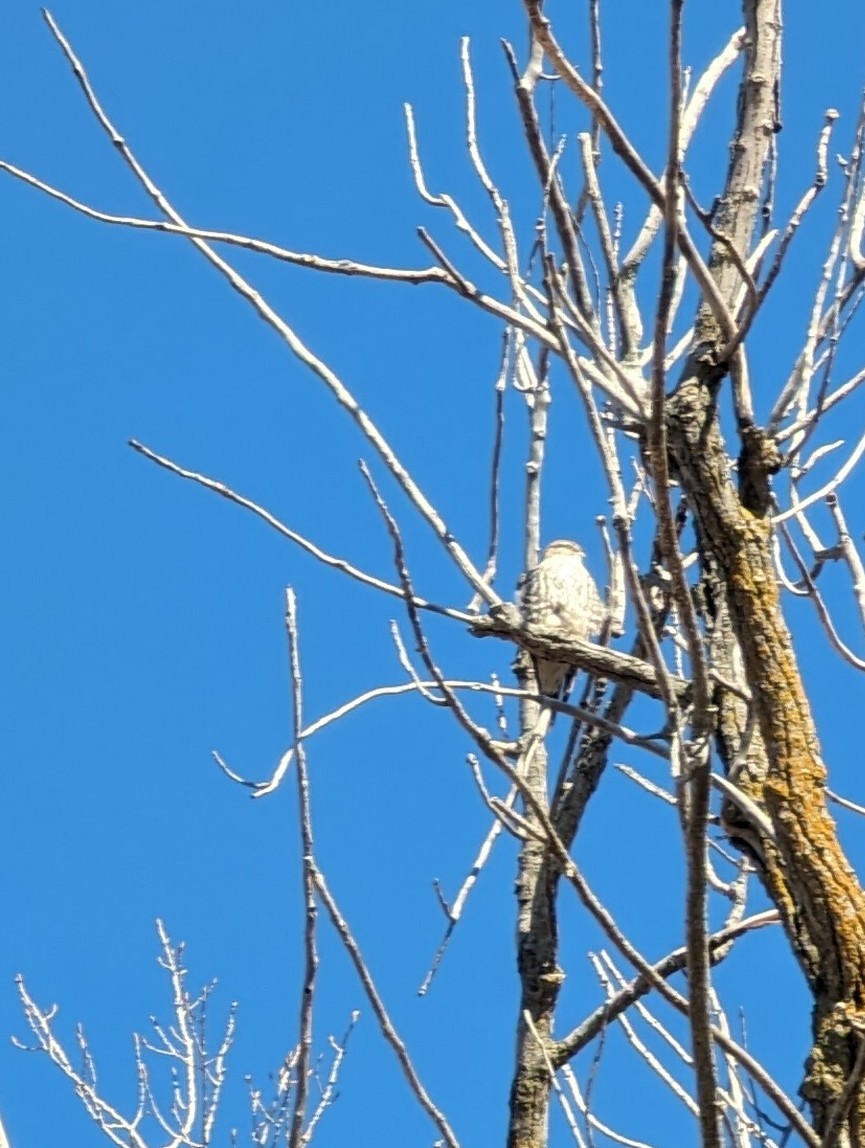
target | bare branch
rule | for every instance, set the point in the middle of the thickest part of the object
(849, 553)
(386, 1025)
(347, 267)
(792, 227)
(625, 150)
(298, 348)
(828, 488)
(310, 548)
(307, 997)
(506, 622)
(632, 954)
(455, 910)
(196, 1075)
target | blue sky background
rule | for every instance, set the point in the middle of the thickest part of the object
(143, 616)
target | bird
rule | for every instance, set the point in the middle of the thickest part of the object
(559, 595)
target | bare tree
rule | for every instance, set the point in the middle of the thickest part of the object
(642, 324)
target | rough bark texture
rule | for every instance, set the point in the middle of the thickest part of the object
(779, 766)
(629, 670)
(537, 936)
(537, 949)
(806, 872)
(540, 980)
(805, 869)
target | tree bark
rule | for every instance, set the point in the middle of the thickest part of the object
(805, 870)
(537, 947)
(808, 875)
(802, 865)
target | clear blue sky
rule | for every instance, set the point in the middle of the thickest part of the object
(142, 621)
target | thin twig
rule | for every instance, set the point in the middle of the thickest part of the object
(827, 488)
(849, 552)
(626, 151)
(603, 917)
(552, 186)
(496, 462)
(347, 267)
(385, 1024)
(320, 555)
(454, 911)
(652, 1061)
(310, 917)
(819, 605)
(263, 788)
(845, 802)
(331, 381)
(799, 212)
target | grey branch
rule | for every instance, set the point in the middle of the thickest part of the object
(505, 621)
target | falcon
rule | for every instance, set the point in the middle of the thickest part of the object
(560, 595)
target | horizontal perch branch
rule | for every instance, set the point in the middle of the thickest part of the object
(505, 621)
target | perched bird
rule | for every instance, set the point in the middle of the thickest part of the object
(560, 595)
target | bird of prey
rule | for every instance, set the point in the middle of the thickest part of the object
(559, 595)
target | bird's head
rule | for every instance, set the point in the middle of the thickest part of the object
(562, 546)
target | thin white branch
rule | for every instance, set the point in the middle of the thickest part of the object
(320, 555)
(261, 789)
(827, 488)
(386, 1025)
(347, 267)
(318, 367)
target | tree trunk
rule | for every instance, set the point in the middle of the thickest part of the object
(537, 947)
(805, 870)
(807, 873)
